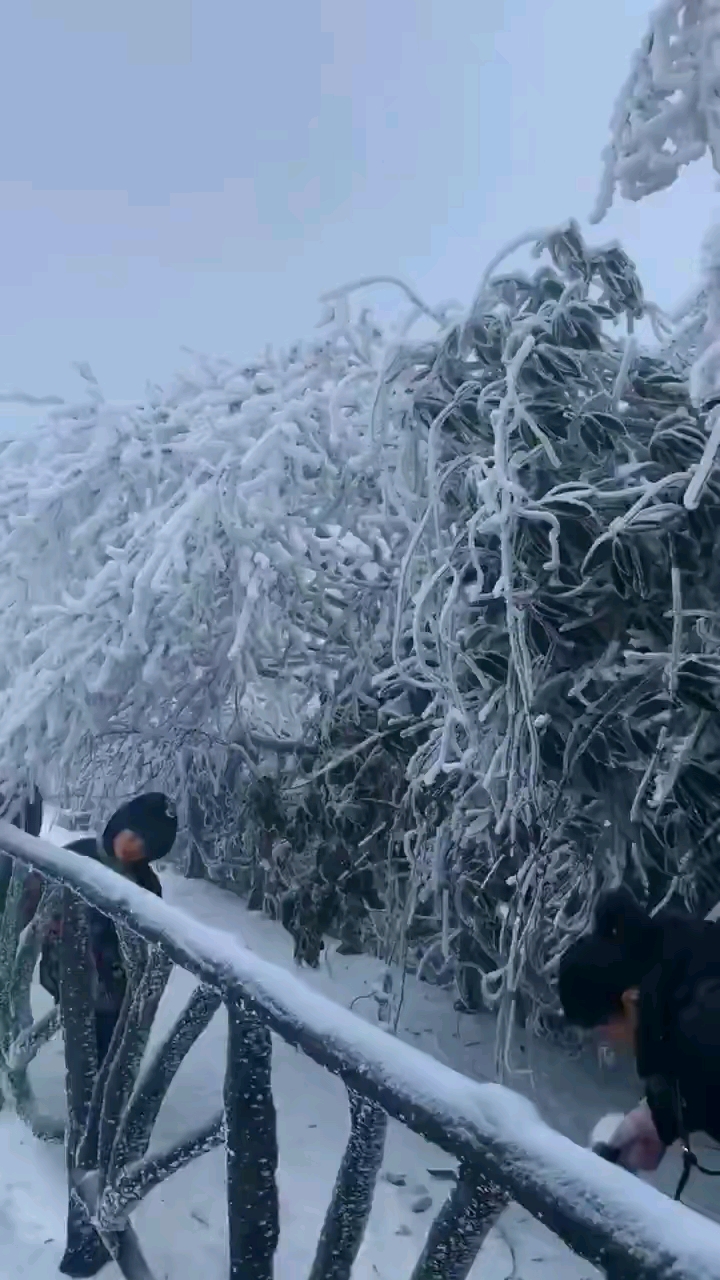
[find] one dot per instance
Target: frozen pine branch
(555, 571)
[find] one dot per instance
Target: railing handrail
(599, 1210)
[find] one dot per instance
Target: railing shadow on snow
(504, 1151)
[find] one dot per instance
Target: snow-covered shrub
(559, 612)
(544, 722)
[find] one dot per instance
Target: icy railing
(504, 1150)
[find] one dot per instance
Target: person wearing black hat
(652, 983)
(138, 833)
(141, 832)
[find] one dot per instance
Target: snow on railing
(504, 1149)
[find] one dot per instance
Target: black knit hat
(594, 974)
(152, 817)
(598, 968)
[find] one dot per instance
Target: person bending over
(652, 984)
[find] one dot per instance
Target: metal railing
(505, 1151)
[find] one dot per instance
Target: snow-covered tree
(372, 612)
(184, 579)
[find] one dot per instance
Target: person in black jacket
(139, 833)
(652, 983)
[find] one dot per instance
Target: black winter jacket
(678, 1037)
(673, 961)
(109, 980)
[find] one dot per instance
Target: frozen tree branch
(666, 115)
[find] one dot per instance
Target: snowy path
(182, 1224)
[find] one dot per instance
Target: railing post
(347, 1216)
(85, 1252)
(142, 1111)
(6, 869)
(9, 936)
(252, 1153)
(467, 1217)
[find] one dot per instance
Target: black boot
(85, 1254)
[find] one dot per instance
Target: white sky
(197, 171)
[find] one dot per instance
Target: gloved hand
(634, 1143)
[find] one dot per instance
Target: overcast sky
(197, 171)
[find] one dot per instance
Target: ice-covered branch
(666, 115)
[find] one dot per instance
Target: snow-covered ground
(182, 1223)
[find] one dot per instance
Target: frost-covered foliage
(668, 115)
(423, 635)
(552, 680)
(668, 111)
(182, 579)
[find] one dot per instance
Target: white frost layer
(547, 1170)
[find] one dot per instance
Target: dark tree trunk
(258, 882)
(255, 900)
(6, 868)
(195, 868)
